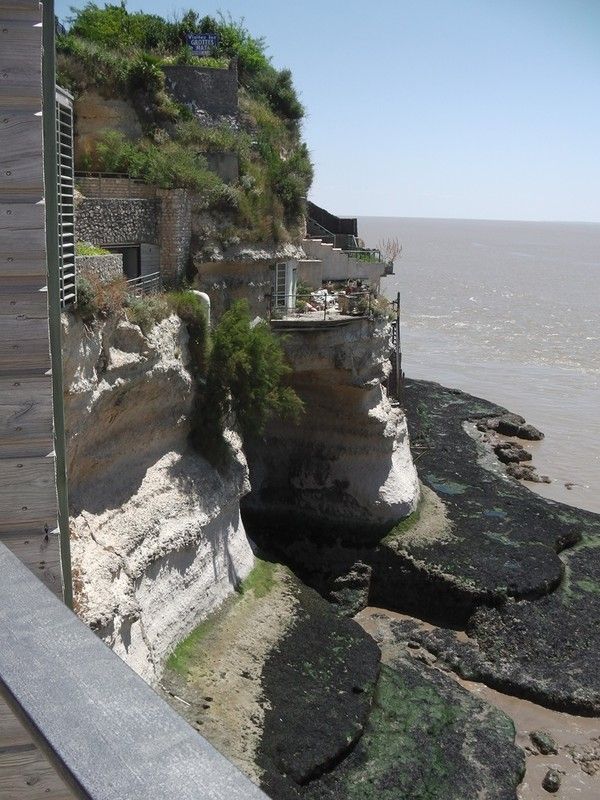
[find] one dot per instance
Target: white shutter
(66, 211)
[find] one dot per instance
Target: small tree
(245, 376)
(391, 249)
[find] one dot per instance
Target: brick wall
(99, 186)
(174, 232)
(201, 88)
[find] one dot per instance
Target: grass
(87, 249)
(184, 652)
(260, 581)
(258, 584)
(121, 54)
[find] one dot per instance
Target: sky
(479, 109)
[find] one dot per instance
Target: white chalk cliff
(348, 460)
(157, 539)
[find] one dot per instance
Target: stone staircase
(340, 265)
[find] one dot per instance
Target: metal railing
(320, 305)
(371, 255)
(104, 730)
(144, 284)
(347, 243)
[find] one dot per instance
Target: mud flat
(574, 741)
(297, 697)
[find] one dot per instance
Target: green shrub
(97, 298)
(88, 249)
(146, 311)
(121, 54)
(166, 164)
(245, 376)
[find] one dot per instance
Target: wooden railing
(102, 728)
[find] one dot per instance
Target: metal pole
(52, 254)
(398, 350)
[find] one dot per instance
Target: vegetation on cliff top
(121, 55)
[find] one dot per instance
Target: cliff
(157, 539)
(348, 461)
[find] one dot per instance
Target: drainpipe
(52, 256)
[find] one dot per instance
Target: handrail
(365, 254)
(144, 284)
(104, 730)
(320, 303)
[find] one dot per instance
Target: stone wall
(112, 187)
(204, 89)
(117, 221)
(226, 165)
(174, 232)
(107, 268)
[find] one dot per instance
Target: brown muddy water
(509, 311)
(577, 738)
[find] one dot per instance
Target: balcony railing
(320, 305)
(107, 733)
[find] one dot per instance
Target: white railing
(144, 284)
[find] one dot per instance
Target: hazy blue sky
(440, 108)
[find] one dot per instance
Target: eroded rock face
(347, 462)
(157, 539)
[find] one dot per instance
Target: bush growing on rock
(121, 54)
(246, 377)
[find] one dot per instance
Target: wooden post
(28, 496)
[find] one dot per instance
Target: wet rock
(511, 425)
(510, 452)
(351, 591)
(318, 684)
(551, 782)
(526, 472)
(544, 742)
(530, 433)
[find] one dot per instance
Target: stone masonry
(201, 88)
(117, 221)
(174, 232)
(106, 268)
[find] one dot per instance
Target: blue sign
(202, 44)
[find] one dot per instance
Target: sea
(508, 311)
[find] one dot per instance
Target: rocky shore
(328, 710)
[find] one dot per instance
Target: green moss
(406, 524)
(87, 249)
(189, 651)
(260, 581)
(406, 717)
(185, 652)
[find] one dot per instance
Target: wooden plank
(25, 416)
(27, 492)
(26, 775)
(40, 555)
(20, 146)
(12, 731)
(30, 302)
(22, 236)
(20, 57)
